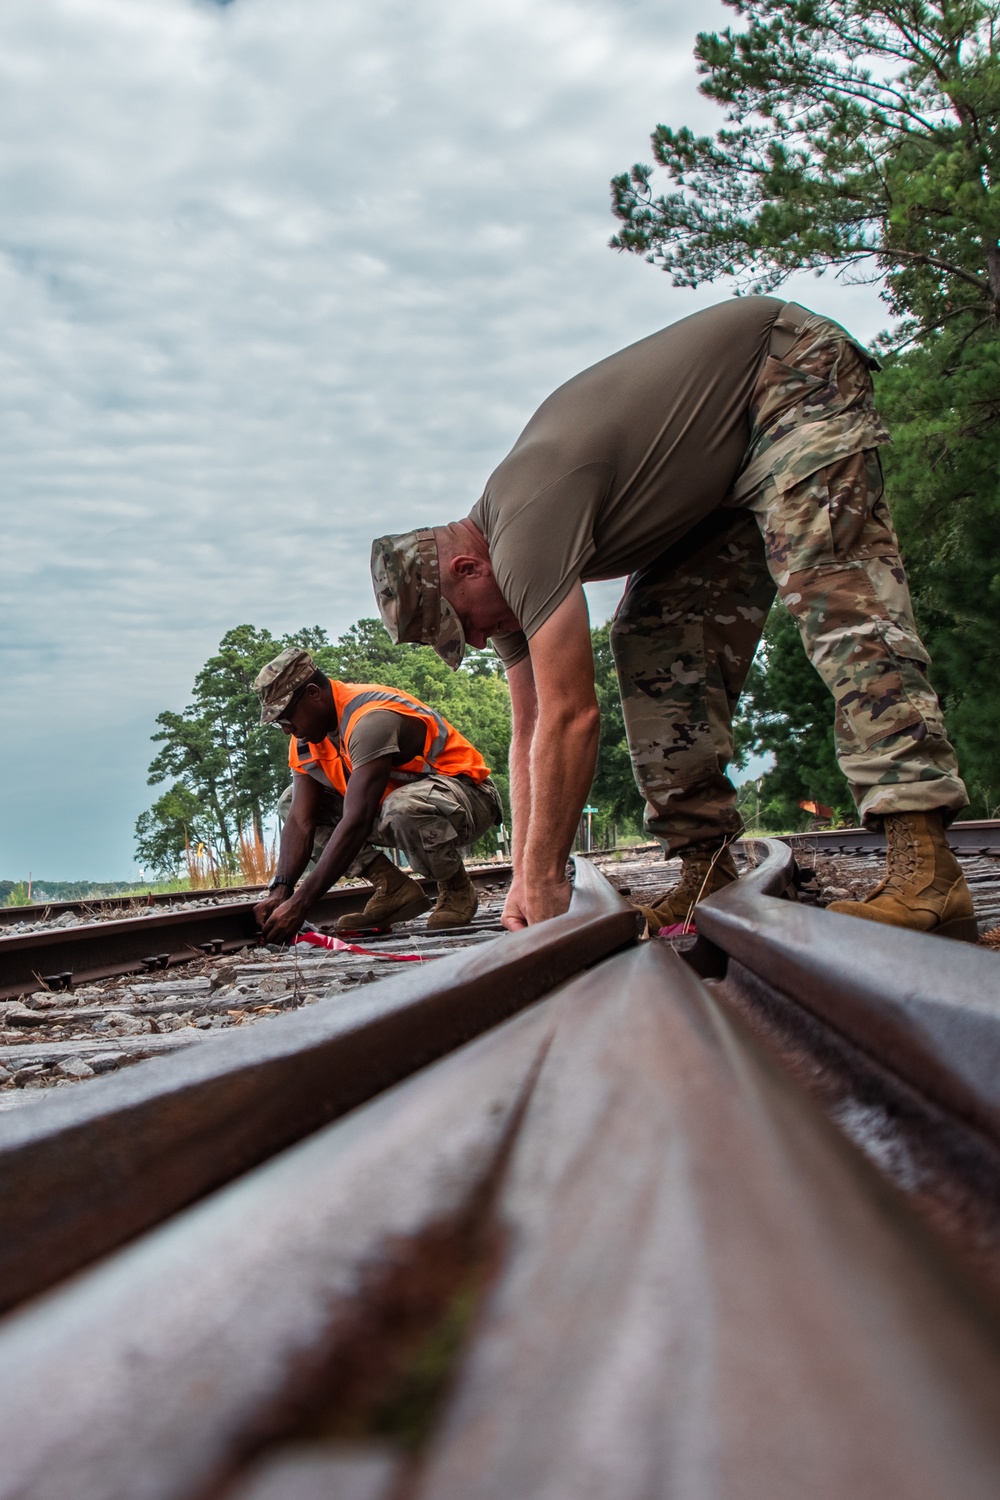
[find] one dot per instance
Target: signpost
(589, 811)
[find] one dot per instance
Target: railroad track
(560, 1214)
(59, 958)
(973, 837)
(98, 908)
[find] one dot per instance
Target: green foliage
(614, 789)
(19, 893)
(229, 771)
(859, 131)
(475, 698)
(942, 400)
(175, 822)
(787, 710)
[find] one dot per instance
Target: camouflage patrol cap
(278, 682)
(406, 573)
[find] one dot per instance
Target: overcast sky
(275, 276)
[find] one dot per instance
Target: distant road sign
(591, 809)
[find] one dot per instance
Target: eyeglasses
(285, 722)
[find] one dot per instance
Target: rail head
(593, 894)
(925, 1007)
(770, 870)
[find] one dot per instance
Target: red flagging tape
(676, 929)
(320, 940)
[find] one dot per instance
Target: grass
(255, 863)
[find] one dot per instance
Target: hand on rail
(528, 903)
(281, 923)
(267, 905)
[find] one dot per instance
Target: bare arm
(295, 846)
(361, 804)
(551, 779)
(524, 711)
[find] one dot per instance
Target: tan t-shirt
(383, 732)
(622, 460)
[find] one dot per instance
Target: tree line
(224, 771)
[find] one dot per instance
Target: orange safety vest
(445, 750)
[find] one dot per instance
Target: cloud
(275, 276)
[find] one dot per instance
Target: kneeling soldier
(371, 765)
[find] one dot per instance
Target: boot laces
(903, 853)
(696, 872)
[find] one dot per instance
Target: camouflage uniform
(806, 515)
(433, 819)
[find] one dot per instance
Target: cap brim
(450, 642)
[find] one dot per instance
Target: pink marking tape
(676, 929)
(337, 945)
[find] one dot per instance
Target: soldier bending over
(727, 456)
(370, 765)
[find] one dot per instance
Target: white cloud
(275, 276)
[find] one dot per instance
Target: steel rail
(44, 911)
(925, 1008)
(61, 957)
(87, 906)
(96, 1165)
(977, 836)
(687, 1282)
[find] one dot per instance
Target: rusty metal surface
(101, 950)
(706, 1292)
(925, 1008)
(155, 1373)
(949, 1173)
(96, 1166)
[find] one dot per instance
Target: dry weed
(203, 869)
(257, 860)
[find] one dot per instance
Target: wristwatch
(282, 880)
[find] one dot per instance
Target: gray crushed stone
(60, 1040)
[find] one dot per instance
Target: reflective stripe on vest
(445, 750)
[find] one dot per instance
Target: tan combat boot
(456, 904)
(396, 898)
(703, 872)
(924, 888)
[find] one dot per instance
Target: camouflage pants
(432, 820)
(685, 633)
